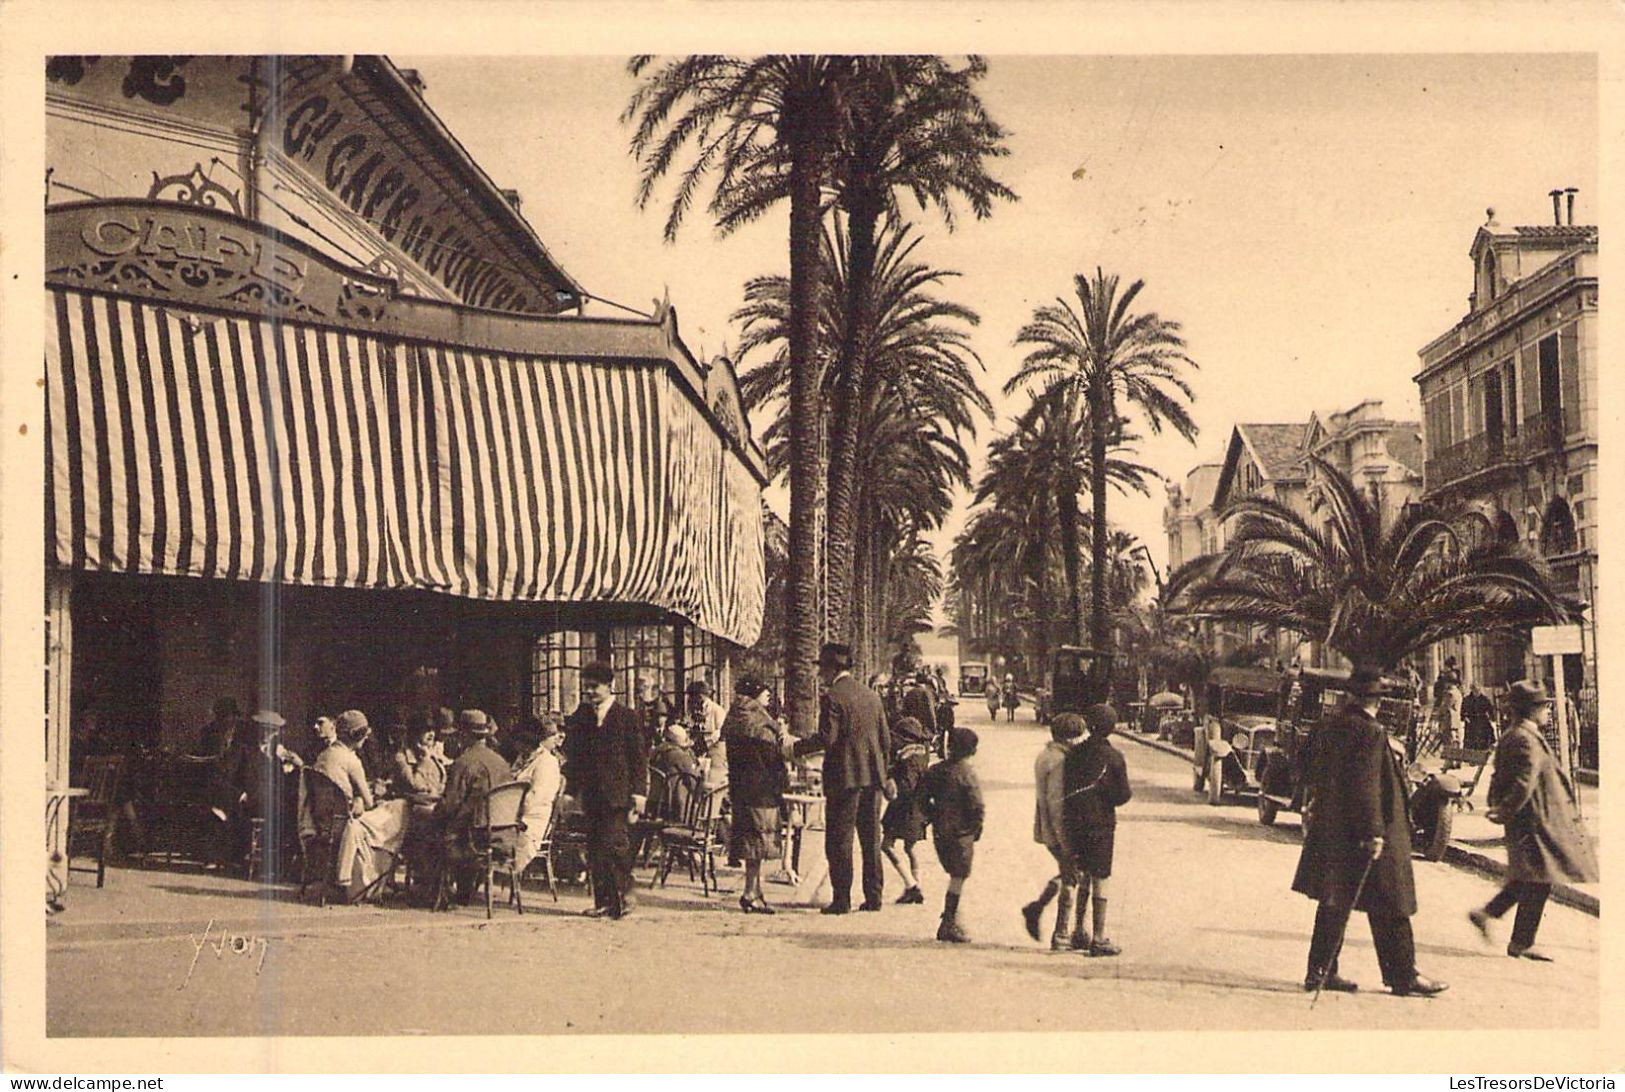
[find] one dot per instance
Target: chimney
(513, 198)
(1570, 192)
(1557, 211)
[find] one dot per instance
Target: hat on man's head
(1528, 695)
(962, 742)
(351, 723)
(835, 655)
(598, 672)
(474, 721)
(699, 688)
(267, 718)
(749, 685)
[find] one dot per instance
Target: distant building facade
(1509, 405)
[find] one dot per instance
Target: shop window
(636, 650)
(555, 670)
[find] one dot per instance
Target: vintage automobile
(972, 678)
(1079, 677)
(1177, 726)
(1311, 695)
(1238, 725)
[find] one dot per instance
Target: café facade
(327, 427)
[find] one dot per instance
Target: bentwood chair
(656, 814)
(93, 817)
(323, 811)
(544, 848)
(494, 835)
(696, 840)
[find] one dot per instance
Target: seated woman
(420, 768)
(342, 763)
(538, 767)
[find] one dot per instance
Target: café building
(327, 426)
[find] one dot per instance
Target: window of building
(1551, 383)
(636, 650)
(1509, 385)
(555, 669)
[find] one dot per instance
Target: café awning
(276, 444)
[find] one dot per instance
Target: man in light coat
(856, 742)
(1531, 794)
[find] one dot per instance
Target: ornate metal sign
(192, 254)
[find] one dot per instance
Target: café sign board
(194, 255)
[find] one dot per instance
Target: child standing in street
(1049, 831)
(952, 799)
(1095, 778)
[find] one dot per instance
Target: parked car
(1238, 725)
(972, 678)
(1078, 678)
(1178, 726)
(1311, 695)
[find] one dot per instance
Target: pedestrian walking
(607, 769)
(904, 820)
(756, 791)
(856, 743)
(1534, 798)
(1049, 831)
(1477, 720)
(1357, 846)
(1011, 698)
(1094, 776)
(994, 697)
(952, 799)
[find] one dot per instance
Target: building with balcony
(1509, 407)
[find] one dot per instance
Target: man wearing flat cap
(476, 772)
(607, 769)
(1534, 798)
(1357, 828)
(856, 741)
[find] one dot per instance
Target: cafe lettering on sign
(323, 131)
(185, 254)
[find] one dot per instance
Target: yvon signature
(224, 943)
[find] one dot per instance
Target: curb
(1455, 854)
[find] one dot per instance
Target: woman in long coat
(1530, 793)
(756, 787)
(1357, 813)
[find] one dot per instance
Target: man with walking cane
(1357, 847)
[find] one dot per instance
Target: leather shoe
(1334, 983)
(913, 896)
(1030, 917)
(1481, 922)
(1420, 987)
(836, 908)
(1529, 953)
(870, 907)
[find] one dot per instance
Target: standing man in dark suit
(856, 742)
(607, 767)
(1357, 818)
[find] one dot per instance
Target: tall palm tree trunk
(1067, 511)
(1099, 631)
(852, 364)
(801, 621)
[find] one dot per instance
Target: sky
(1306, 219)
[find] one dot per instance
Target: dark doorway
(1551, 389)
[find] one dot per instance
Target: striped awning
(228, 447)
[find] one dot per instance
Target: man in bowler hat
(607, 767)
(856, 742)
(1357, 826)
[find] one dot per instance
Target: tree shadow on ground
(1171, 973)
(1451, 950)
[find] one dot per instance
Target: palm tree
(765, 127)
(919, 396)
(1043, 464)
(1116, 361)
(912, 123)
(1375, 594)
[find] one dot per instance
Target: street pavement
(1212, 939)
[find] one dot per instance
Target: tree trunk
(851, 369)
(1099, 630)
(801, 621)
(860, 613)
(1067, 509)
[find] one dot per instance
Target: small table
(56, 869)
(802, 817)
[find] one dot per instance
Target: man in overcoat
(856, 742)
(1531, 794)
(1357, 823)
(607, 767)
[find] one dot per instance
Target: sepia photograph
(600, 544)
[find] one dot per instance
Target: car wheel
(1267, 809)
(1439, 837)
(1215, 781)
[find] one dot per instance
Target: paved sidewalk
(1475, 842)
